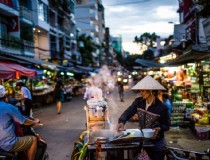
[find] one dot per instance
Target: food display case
(97, 114)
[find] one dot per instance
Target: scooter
(41, 146)
(22, 130)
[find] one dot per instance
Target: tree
(89, 47)
(146, 39)
(129, 61)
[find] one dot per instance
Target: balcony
(26, 13)
(8, 8)
(16, 44)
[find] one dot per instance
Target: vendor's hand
(157, 129)
(120, 127)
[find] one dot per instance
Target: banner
(206, 27)
(7, 2)
(13, 24)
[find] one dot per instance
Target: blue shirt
(8, 114)
(168, 104)
(26, 93)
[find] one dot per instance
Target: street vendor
(26, 98)
(152, 113)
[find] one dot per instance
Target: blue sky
(134, 19)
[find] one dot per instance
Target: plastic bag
(143, 155)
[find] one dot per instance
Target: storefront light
(125, 80)
(119, 79)
(62, 73)
(119, 73)
(48, 72)
(70, 74)
(129, 76)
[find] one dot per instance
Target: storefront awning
(20, 70)
(148, 63)
(6, 73)
(189, 57)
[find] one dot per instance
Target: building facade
(39, 28)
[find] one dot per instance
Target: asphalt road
(61, 131)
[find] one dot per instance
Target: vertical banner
(206, 28)
(13, 24)
(7, 2)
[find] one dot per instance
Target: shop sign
(7, 2)
(206, 27)
(179, 33)
(13, 24)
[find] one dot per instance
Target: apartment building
(43, 29)
(89, 15)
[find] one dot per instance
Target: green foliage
(87, 50)
(146, 38)
(148, 54)
(129, 61)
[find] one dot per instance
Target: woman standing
(59, 95)
(152, 114)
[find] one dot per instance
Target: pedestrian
(167, 102)
(121, 91)
(8, 139)
(59, 95)
(25, 98)
(152, 114)
(93, 91)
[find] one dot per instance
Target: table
(117, 151)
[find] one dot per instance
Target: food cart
(102, 143)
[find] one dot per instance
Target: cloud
(136, 19)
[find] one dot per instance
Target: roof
(148, 63)
(189, 57)
(20, 70)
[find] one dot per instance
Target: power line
(118, 4)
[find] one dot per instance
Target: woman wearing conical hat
(152, 113)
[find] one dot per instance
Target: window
(42, 11)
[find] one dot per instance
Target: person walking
(121, 91)
(152, 113)
(59, 95)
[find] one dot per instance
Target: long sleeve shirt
(157, 107)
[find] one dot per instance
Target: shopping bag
(143, 155)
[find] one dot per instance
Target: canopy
(148, 63)
(6, 73)
(190, 56)
(20, 70)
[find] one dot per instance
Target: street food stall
(101, 142)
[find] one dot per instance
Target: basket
(202, 133)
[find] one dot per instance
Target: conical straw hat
(148, 83)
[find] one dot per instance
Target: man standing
(8, 139)
(25, 97)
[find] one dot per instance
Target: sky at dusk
(135, 17)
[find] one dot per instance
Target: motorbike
(68, 93)
(173, 153)
(22, 130)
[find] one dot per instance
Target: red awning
(6, 73)
(20, 70)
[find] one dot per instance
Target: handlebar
(183, 154)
